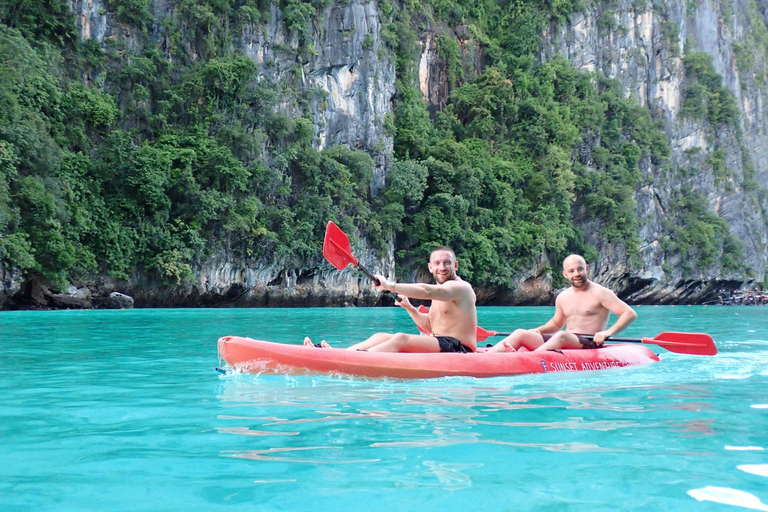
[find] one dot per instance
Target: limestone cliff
(641, 44)
(349, 69)
(645, 51)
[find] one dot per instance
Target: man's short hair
(442, 248)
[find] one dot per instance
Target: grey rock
(118, 300)
(11, 282)
(69, 301)
(350, 72)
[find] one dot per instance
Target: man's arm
(420, 319)
(556, 322)
(450, 290)
(618, 307)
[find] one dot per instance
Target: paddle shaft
(368, 273)
(694, 343)
(585, 337)
(375, 280)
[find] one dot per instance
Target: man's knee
(558, 337)
(516, 335)
(399, 340)
(562, 339)
(554, 342)
(519, 333)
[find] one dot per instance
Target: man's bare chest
(584, 308)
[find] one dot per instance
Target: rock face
(353, 75)
(643, 45)
(220, 282)
(118, 300)
(350, 71)
(10, 283)
(645, 53)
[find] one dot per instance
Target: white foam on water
(759, 406)
(755, 469)
(745, 448)
(728, 496)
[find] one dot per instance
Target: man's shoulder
(600, 289)
(458, 283)
(460, 286)
(603, 294)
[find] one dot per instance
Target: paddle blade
(483, 334)
(423, 309)
(336, 248)
(685, 343)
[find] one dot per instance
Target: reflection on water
(554, 447)
(444, 475)
(276, 455)
(244, 431)
(755, 469)
(364, 422)
(729, 497)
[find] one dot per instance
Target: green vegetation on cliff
(502, 160)
(154, 151)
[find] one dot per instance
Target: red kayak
(255, 356)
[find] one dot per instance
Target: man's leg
(379, 337)
(561, 339)
(527, 338)
(402, 342)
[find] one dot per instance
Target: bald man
(584, 308)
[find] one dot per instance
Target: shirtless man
(584, 308)
(452, 318)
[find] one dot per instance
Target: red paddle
(695, 343)
(338, 252)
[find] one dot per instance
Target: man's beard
(579, 283)
(440, 278)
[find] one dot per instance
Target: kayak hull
(256, 356)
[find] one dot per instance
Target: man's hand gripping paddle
(338, 252)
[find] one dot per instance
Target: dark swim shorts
(449, 344)
(587, 342)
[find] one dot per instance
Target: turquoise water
(122, 410)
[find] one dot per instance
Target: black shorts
(587, 342)
(449, 344)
